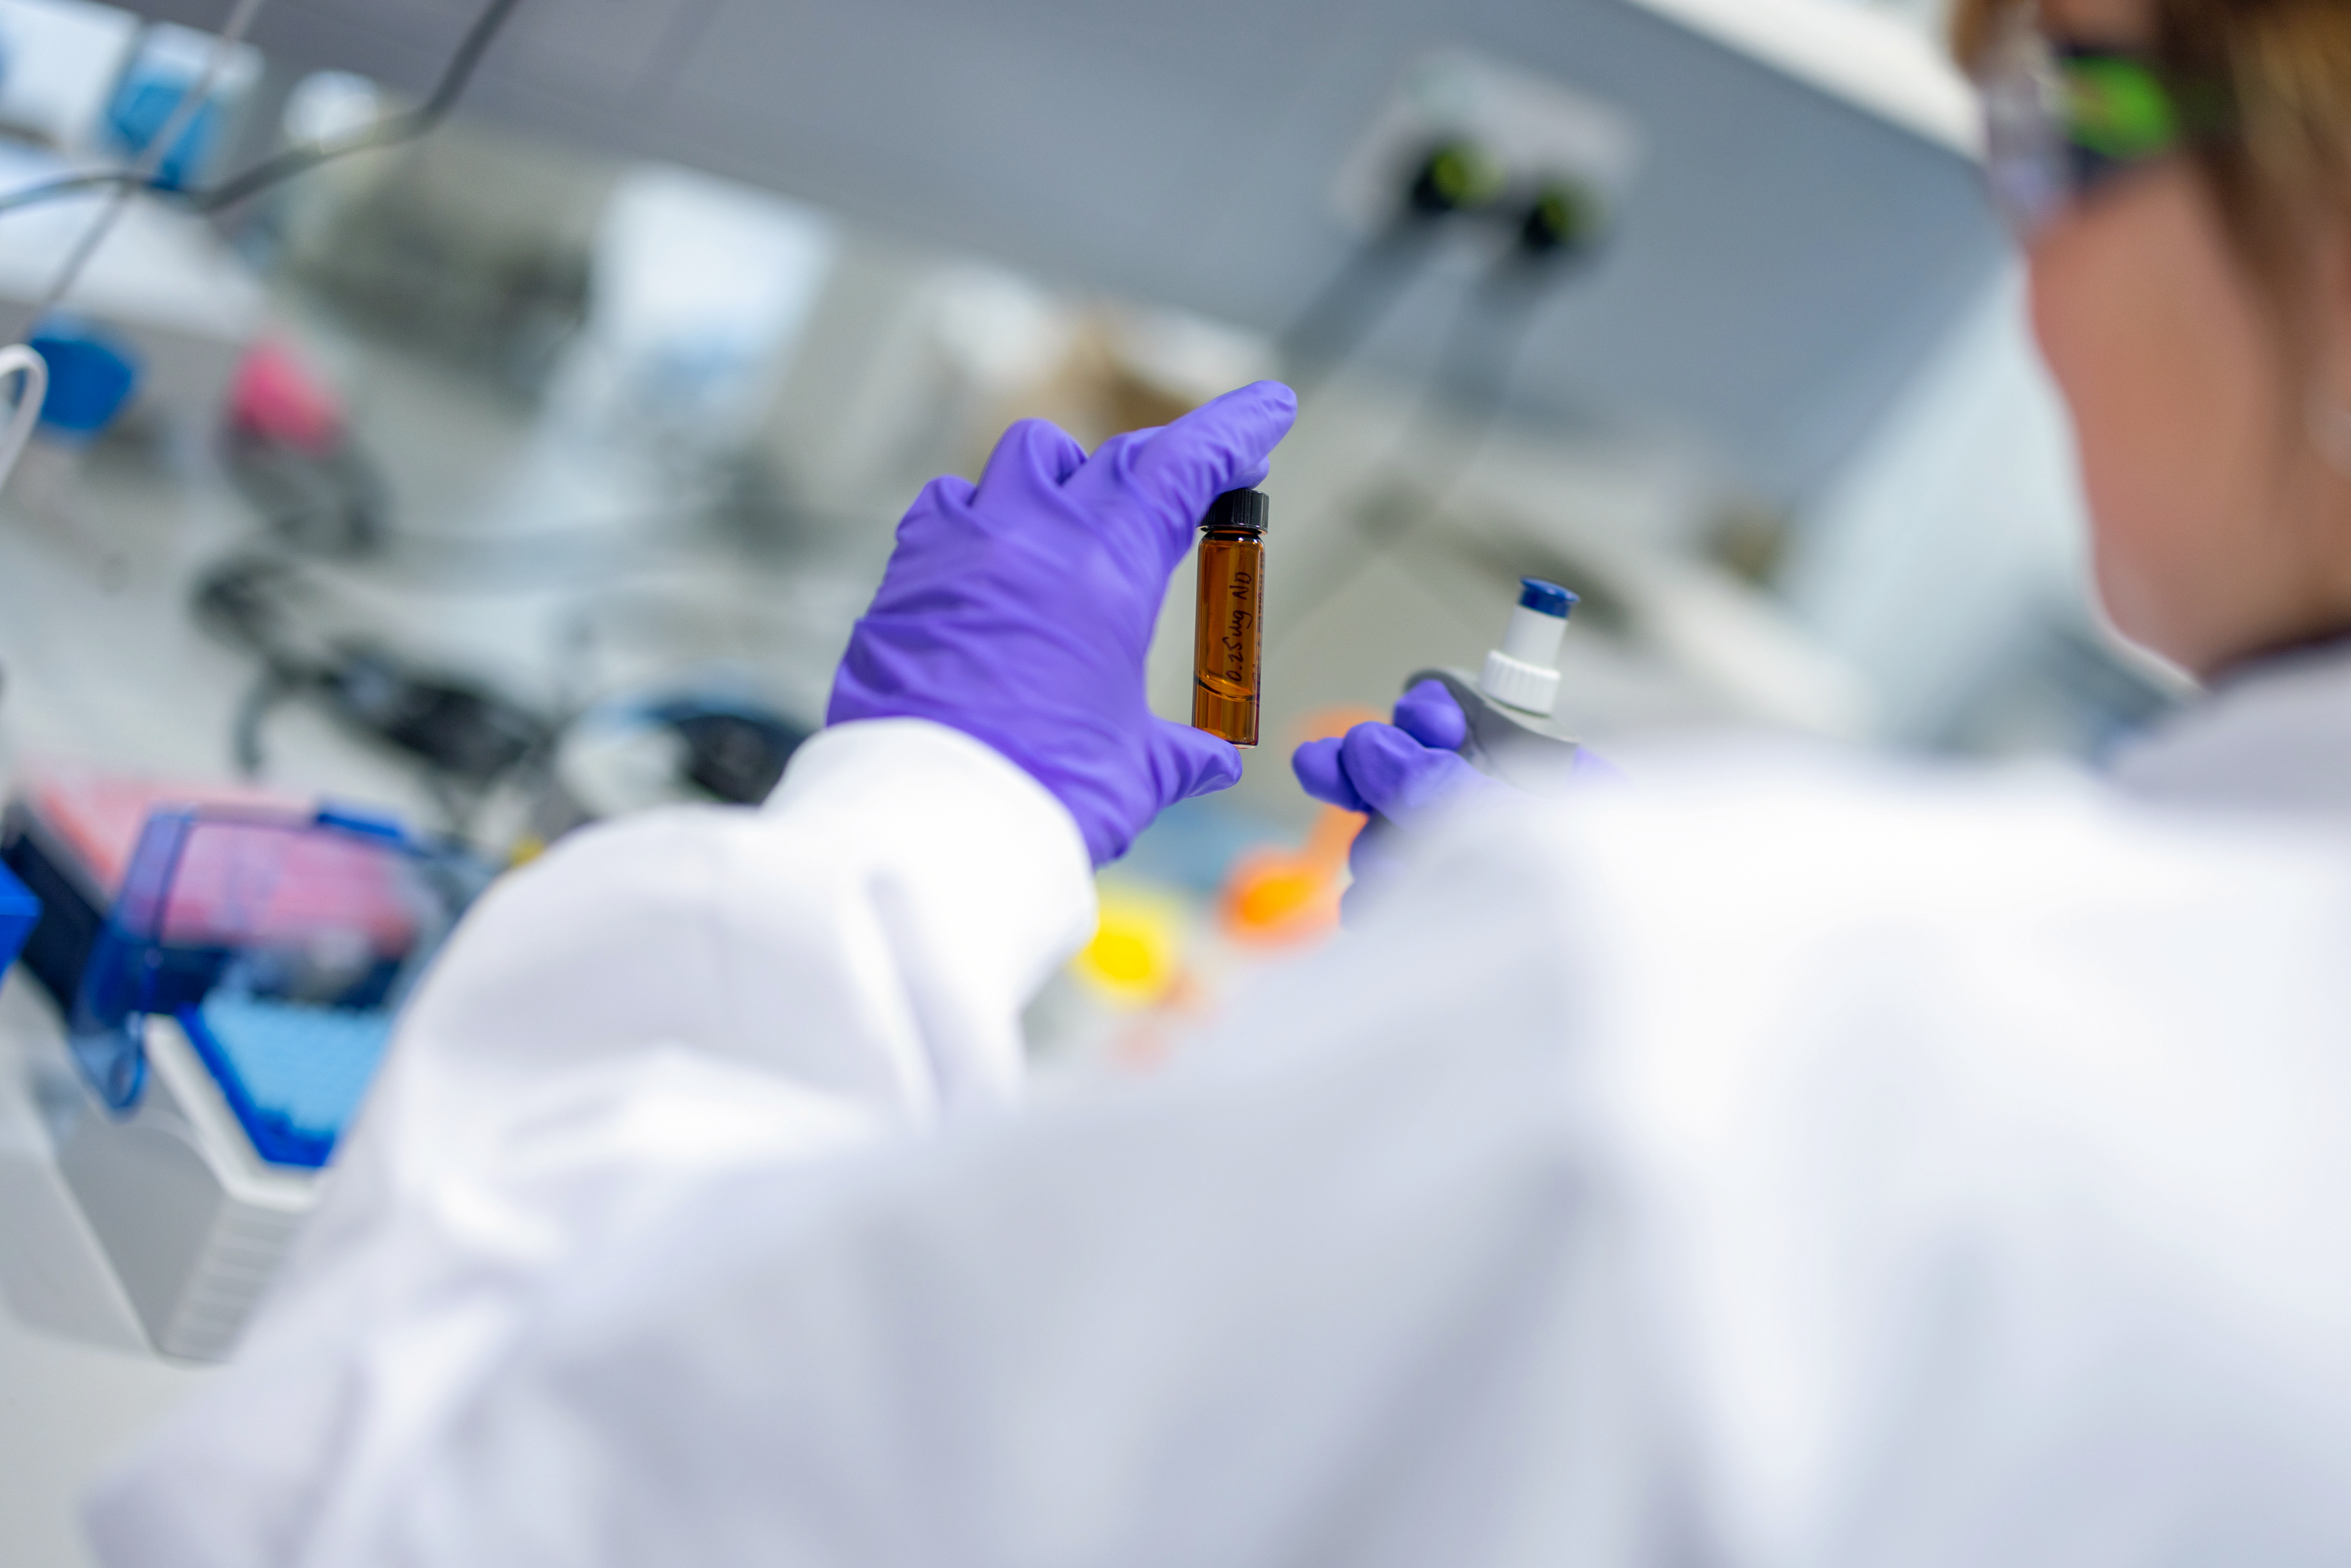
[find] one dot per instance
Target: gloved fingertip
(1035, 453)
(1429, 713)
(1259, 414)
(1222, 772)
(1320, 774)
(1278, 398)
(1221, 446)
(1194, 762)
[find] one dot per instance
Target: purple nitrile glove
(1399, 770)
(1397, 773)
(1400, 773)
(1019, 610)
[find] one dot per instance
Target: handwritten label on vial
(1227, 638)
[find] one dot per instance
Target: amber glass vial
(1230, 632)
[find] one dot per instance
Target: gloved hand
(1401, 770)
(1019, 611)
(1397, 773)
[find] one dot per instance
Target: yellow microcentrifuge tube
(1230, 632)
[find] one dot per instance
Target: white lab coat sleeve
(653, 1002)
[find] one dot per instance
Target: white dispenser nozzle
(1524, 673)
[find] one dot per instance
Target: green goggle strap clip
(2118, 110)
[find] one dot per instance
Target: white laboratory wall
(1929, 17)
(1885, 57)
(1956, 534)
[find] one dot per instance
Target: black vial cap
(1247, 509)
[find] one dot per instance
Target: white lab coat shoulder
(1978, 1134)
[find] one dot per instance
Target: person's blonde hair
(2281, 71)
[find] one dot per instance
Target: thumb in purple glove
(1019, 611)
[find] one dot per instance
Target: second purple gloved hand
(1019, 611)
(1396, 772)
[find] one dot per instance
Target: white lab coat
(1785, 1162)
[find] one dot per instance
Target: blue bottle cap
(1545, 598)
(91, 374)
